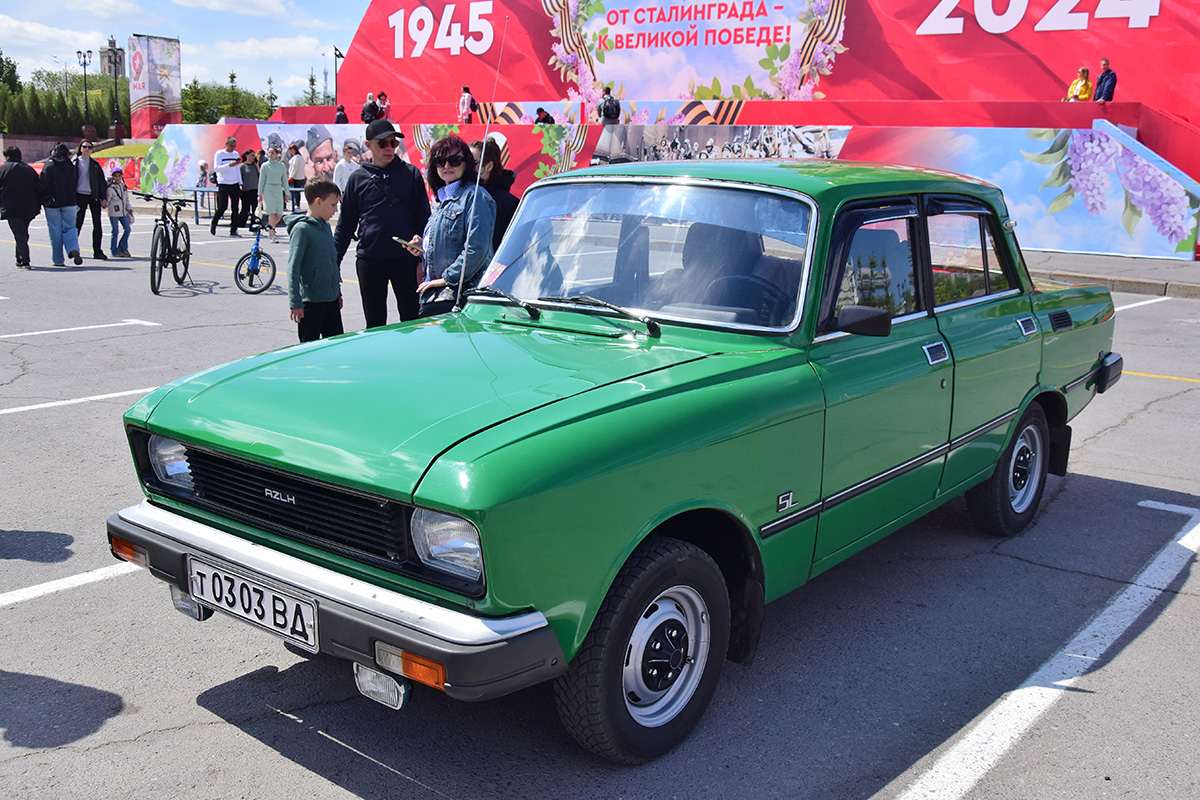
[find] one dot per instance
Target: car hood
(374, 409)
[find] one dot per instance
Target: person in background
(609, 108)
(319, 144)
(344, 168)
(314, 280)
(229, 176)
(120, 214)
(91, 192)
(1106, 83)
(249, 179)
(385, 203)
(56, 188)
(466, 106)
(499, 182)
(1081, 87)
(340, 117)
(543, 117)
(385, 106)
(202, 183)
(370, 109)
(272, 189)
(457, 244)
(296, 178)
(18, 200)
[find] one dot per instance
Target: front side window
(872, 263)
(698, 254)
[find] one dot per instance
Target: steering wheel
(750, 292)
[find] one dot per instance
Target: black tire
(253, 281)
(1006, 503)
(669, 596)
(158, 254)
(183, 253)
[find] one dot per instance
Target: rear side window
(963, 257)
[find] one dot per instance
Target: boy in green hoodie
(314, 281)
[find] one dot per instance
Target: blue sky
(257, 39)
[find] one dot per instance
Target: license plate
(293, 618)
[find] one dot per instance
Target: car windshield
(692, 253)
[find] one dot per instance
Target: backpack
(474, 105)
(610, 108)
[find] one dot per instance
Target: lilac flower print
(177, 173)
(1092, 156)
(1157, 195)
(642, 117)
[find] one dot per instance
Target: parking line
(83, 579)
(962, 766)
(121, 324)
(1142, 303)
(56, 403)
(1163, 377)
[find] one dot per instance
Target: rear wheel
(651, 661)
(255, 272)
(183, 253)
(1006, 503)
(158, 254)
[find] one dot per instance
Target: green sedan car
(679, 392)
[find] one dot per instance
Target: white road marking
(3, 298)
(57, 403)
(121, 324)
(104, 573)
(1142, 303)
(962, 766)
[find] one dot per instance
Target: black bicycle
(255, 271)
(171, 242)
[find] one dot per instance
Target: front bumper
(484, 657)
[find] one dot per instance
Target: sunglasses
(389, 143)
(86, 147)
(448, 161)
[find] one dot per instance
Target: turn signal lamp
(412, 666)
(130, 552)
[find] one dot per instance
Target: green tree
(233, 95)
(310, 97)
(8, 73)
(205, 103)
(270, 96)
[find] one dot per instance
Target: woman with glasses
(91, 192)
(457, 244)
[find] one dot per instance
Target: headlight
(169, 460)
(448, 543)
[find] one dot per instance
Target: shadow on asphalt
(860, 673)
(44, 547)
(28, 701)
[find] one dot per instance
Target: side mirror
(864, 320)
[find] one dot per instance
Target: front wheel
(158, 254)
(1005, 503)
(183, 253)
(650, 664)
(255, 272)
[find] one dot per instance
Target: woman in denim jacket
(457, 244)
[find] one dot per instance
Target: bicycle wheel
(255, 272)
(183, 253)
(158, 254)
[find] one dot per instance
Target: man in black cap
(385, 200)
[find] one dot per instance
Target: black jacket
(18, 190)
(96, 178)
(340, 118)
(56, 184)
(500, 188)
(375, 215)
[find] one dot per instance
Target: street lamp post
(85, 58)
(336, 55)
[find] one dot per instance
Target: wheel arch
(733, 548)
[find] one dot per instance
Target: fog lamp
(381, 687)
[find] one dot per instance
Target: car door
(989, 327)
(887, 397)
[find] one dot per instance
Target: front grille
(362, 526)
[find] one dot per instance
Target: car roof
(823, 180)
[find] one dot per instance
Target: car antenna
(462, 274)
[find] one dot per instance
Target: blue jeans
(61, 224)
(117, 224)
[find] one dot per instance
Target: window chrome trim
(971, 301)
(664, 180)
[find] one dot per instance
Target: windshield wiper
(652, 327)
(490, 291)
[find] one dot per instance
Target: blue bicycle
(255, 271)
